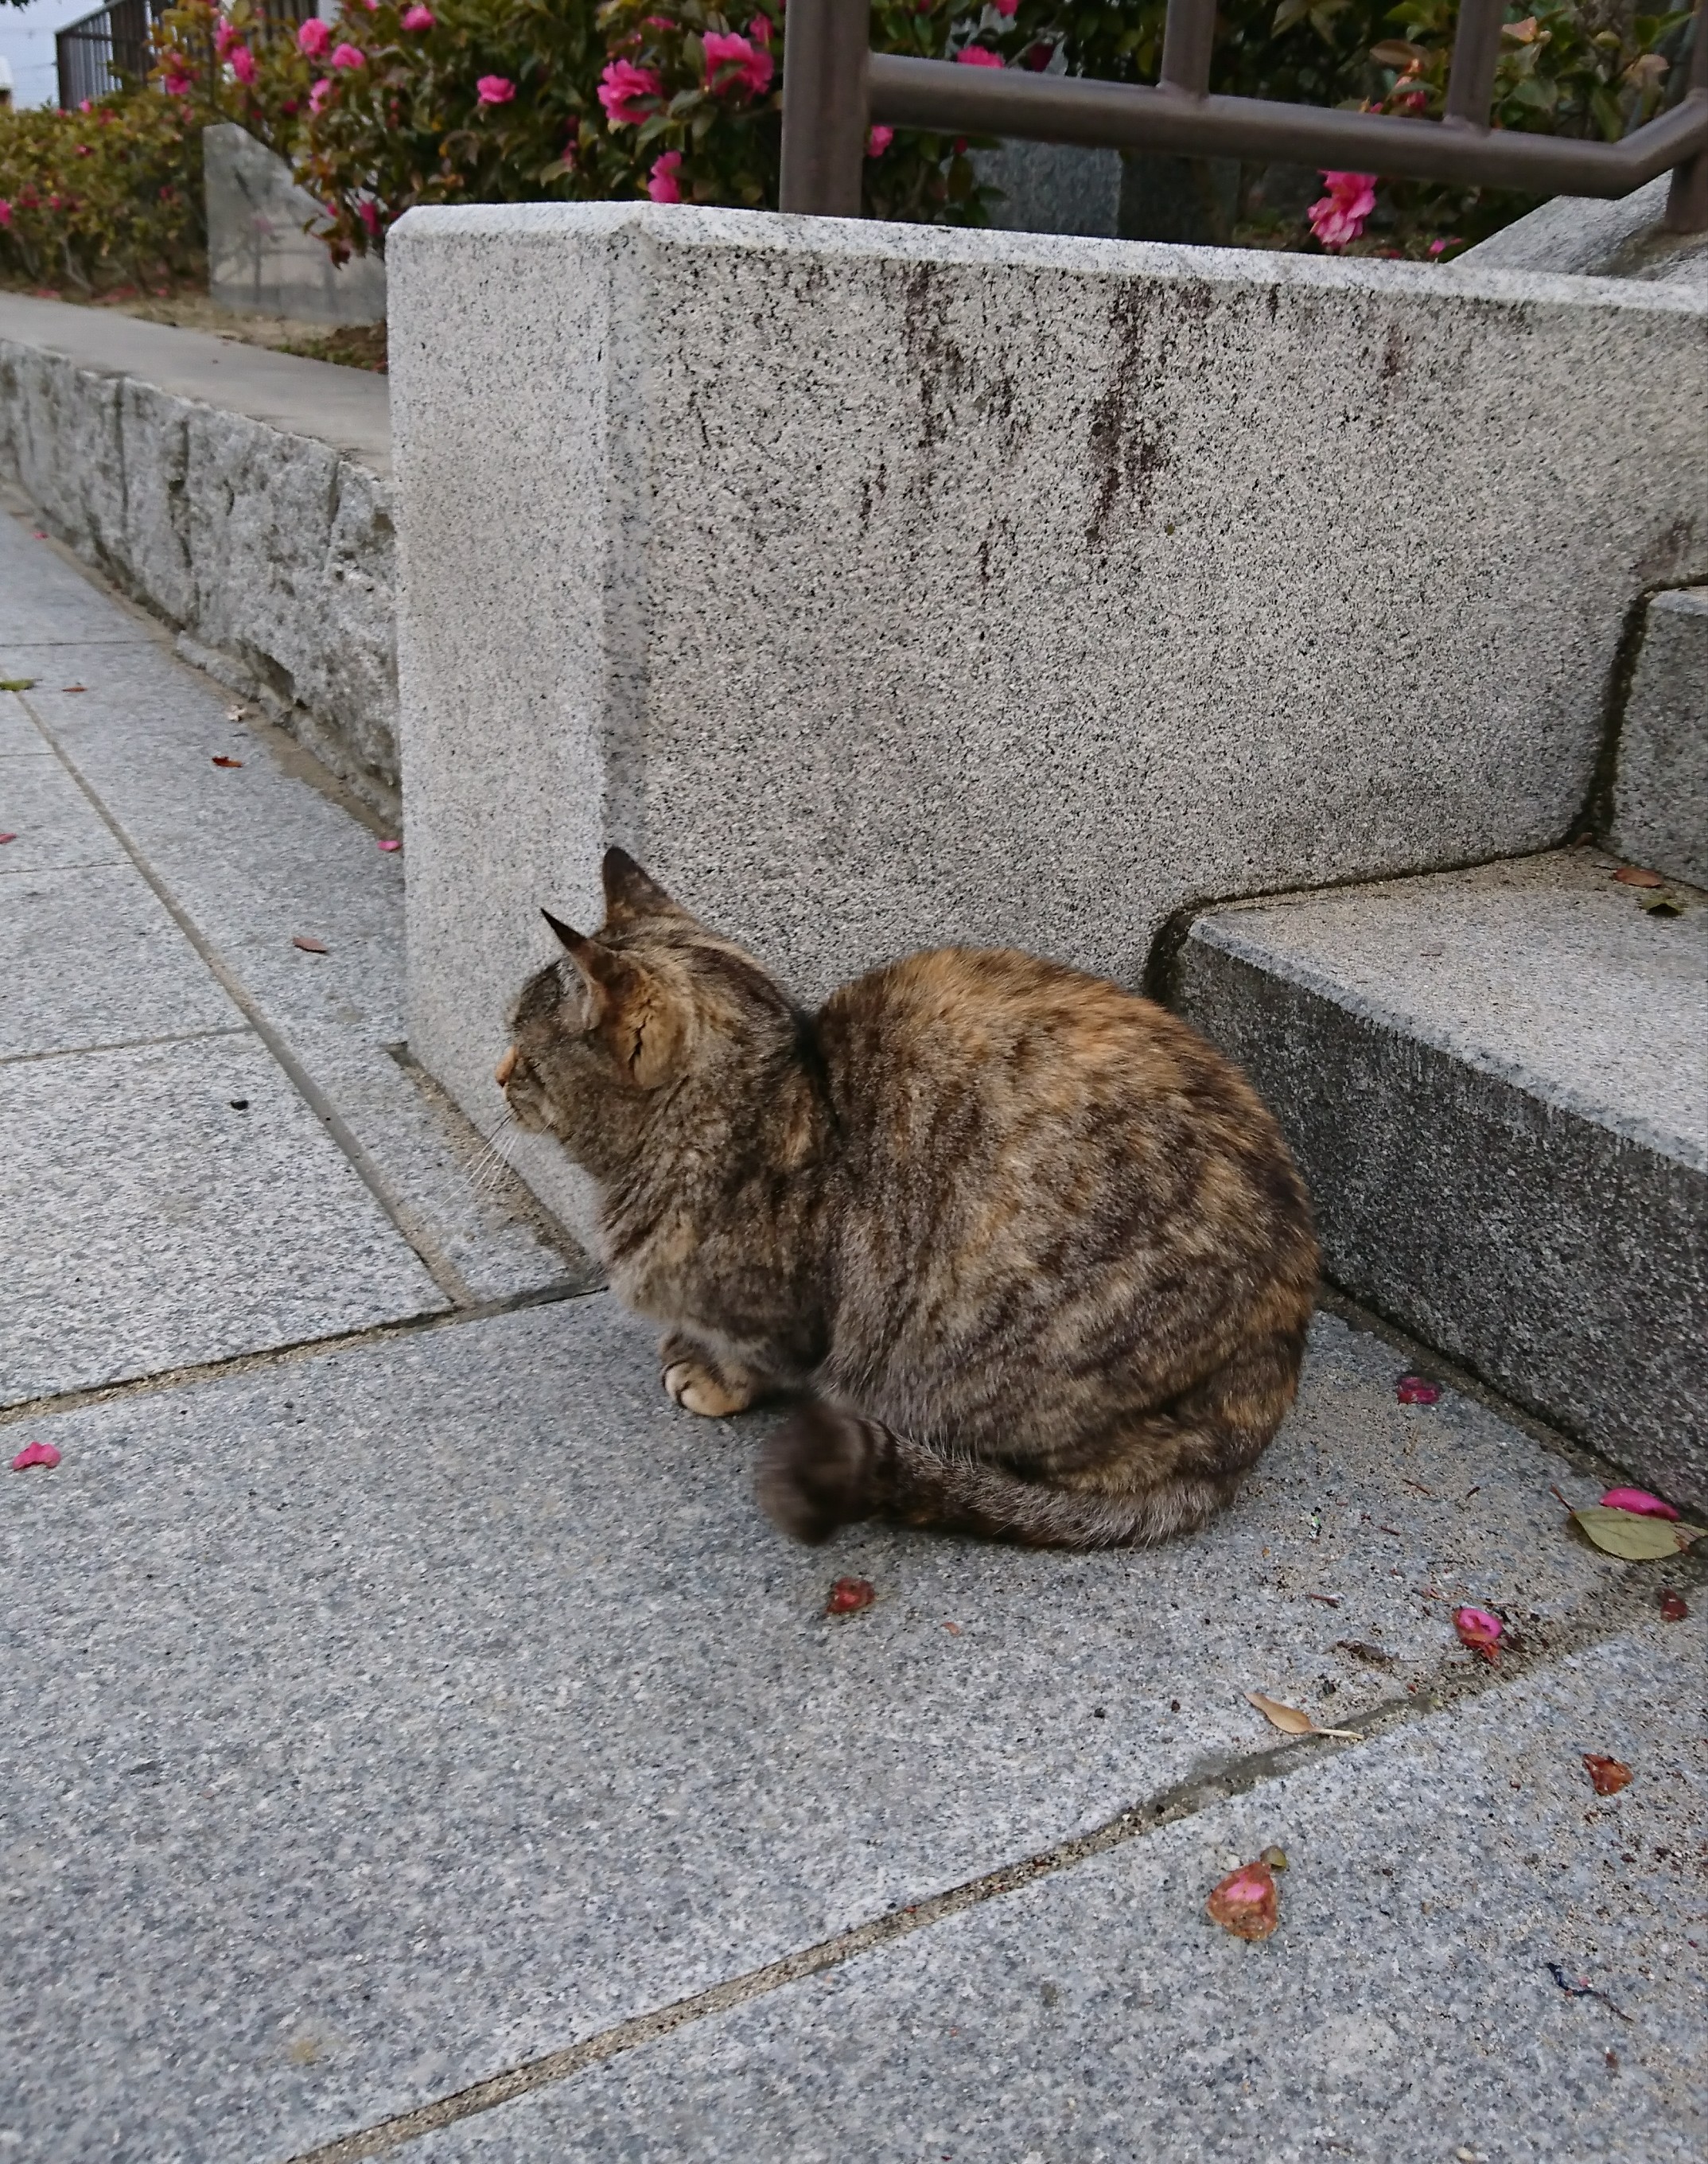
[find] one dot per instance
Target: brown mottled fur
(1034, 1252)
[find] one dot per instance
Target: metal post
(825, 50)
(1476, 47)
(1687, 199)
(1188, 35)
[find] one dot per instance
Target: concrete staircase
(1496, 1082)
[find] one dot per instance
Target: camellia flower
(418, 18)
(319, 93)
(1480, 1630)
(225, 38)
(1338, 217)
(978, 56)
(735, 64)
(243, 64)
(879, 141)
(496, 89)
(622, 85)
(370, 216)
(313, 37)
(176, 84)
(664, 183)
(348, 56)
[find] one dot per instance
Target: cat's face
(625, 1022)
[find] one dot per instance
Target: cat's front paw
(821, 1469)
(698, 1387)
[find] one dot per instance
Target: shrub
(110, 194)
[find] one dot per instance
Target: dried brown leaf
(1634, 875)
(1607, 1776)
(220, 759)
(1291, 1722)
(310, 946)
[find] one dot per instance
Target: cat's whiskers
(492, 1165)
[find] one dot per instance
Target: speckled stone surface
(237, 493)
(1660, 779)
(1496, 1084)
(1404, 2013)
(881, 586)
(439, 1702)
(146, 1223)
(53, 825)
(253, 855)
(92, 958)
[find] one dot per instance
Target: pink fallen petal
(1480, 1630)
(35, 1453)
(1413, 1390)
(1638, 1501)
(385, 844)
(8, 837)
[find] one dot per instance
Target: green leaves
(1633, 1538)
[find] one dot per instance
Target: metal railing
(835, 87)
(97, 51)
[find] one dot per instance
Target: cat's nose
(505, 1067)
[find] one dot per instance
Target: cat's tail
(1169, 1472)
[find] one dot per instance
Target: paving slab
(251, 856)
(439, 1702)
(91, 956)
(168, 1205)
(1495, 1084)
(19, 737)
(52, 823)
(46, 604)
(1407, 2008)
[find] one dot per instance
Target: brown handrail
(836, 88)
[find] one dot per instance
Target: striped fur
(1033, 1252)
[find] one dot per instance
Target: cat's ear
(628, 1010)
(630, 892)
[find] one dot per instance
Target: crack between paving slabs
(445, 1275)
(121, 1043)
(301, 1348)
(1217, 1781)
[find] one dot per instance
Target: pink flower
(1480, 1630)
(1338, 217)
(225, 38)
(314, 38)
(621, 86)
(348, 56)
(978, 56)
(1413, 1390)
(320, 92)
(759, 29)
(1006, 7)
(1441, 247)
(418, 18)
(35, 1453)
(5, 220)
(879, 141)
(664, 183)
(496, 89)
(1638, 1501)
(175, 85)
(370, 216)
(243, 64)
(87, 105)
(735, 64)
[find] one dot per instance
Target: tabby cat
(1033, 1254)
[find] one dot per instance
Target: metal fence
(98, 52)
(835, 87)
(95, 52)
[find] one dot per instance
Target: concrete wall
(882, 586)
(262, 258)
(1659, 808)
(265, 536)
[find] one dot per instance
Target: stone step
(1658, 810)
(1496, 1083)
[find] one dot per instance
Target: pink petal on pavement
(385, 844)
(35, 1453)
(1479, 1629)
(1413, 1390)
(1638, 1501)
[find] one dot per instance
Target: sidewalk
(411, 1736)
